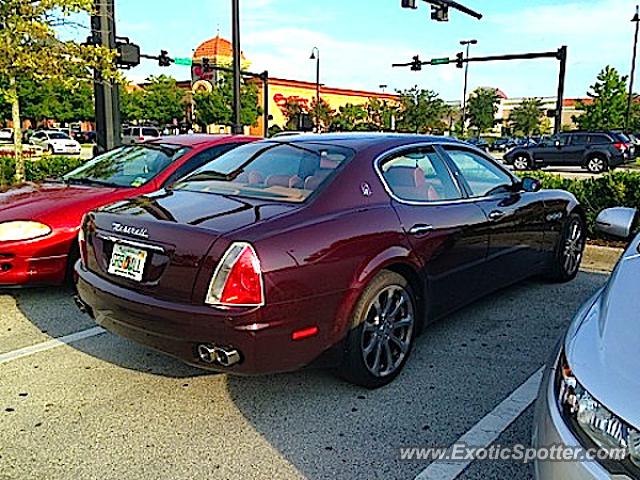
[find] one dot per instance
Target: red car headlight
(237, 280)
(22, 230)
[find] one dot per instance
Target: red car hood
(47, 201)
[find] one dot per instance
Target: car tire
(383, 329)
(597, 164)
(569, 250)
(522, 162)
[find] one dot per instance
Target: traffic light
(416, 65)
(409, 4)
(460, 59)
(164, 60)
(440, 13)
(128, 55)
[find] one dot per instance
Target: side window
(580, 140)
(563, 139)
(198, 161)
(126, 131)
(419, 175)
(481, 175)
(150, 132)
(599, 140)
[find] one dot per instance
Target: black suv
(595, 151)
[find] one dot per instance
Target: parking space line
(48, 345)
(488, 429)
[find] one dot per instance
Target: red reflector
(304, 333)
(244, 282)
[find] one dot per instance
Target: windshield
(130, 166)
(59, 136)
(287, 172)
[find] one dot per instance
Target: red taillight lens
(237, 281)
(82, 245)
(621, 146)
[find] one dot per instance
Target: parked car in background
(6, 135)
(39, 223)
(333, 249)
(86, 136)
(595, 151)
(55, 142)
(137, 134)
(502, 144)
(587, 396)
(480, 143)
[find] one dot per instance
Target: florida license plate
(127, 262)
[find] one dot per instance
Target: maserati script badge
(129, 230)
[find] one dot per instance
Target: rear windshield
(288, 172)
(130, 166)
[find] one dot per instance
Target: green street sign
(440, 61)
(183, 61)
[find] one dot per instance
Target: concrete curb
(600, 259)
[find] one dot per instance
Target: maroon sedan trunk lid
(175, 234)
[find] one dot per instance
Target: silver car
(591, 387)
(134, 134)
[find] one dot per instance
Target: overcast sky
(360, 39)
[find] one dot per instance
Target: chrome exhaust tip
(226, 357)
(206, 354)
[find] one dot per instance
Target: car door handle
(496, 215)
(421, 229)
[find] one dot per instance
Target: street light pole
(235, 24)
(315, 55)
(636, 19)
(468, 44)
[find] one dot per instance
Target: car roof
(362, 140)
(197, 140)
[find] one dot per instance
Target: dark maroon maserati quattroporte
(332, 250)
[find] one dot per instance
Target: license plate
(127, 262)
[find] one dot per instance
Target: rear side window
(580, 140)
(599, 140)
(419, 175)
(288, 172)
(150, 132)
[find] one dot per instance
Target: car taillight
(237, 281)
(82, 246)
(621, 146)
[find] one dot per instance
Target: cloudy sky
(360, 39)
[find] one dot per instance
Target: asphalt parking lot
(102, 407)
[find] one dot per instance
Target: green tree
(324, 113)
(164, 101)
(293, 110)
(216, 107)
(608, 105)
(381, 114)
(349, 117)
(132, 107)
(526, 118)
(421, 111)
(482, 108)
(30, 49)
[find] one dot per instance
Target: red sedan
(39, 223)
(324, 249)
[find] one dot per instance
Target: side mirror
(617, 222)
(531, 184)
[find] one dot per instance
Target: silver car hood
(603, 343)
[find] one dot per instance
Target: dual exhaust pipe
(227, 357)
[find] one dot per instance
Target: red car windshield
(130, 166)
(288, 172)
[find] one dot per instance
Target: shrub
(38, 170)
(616, 189)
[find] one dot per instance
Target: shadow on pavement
(461, 368)
(53, 312)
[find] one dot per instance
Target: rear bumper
(262, 336)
